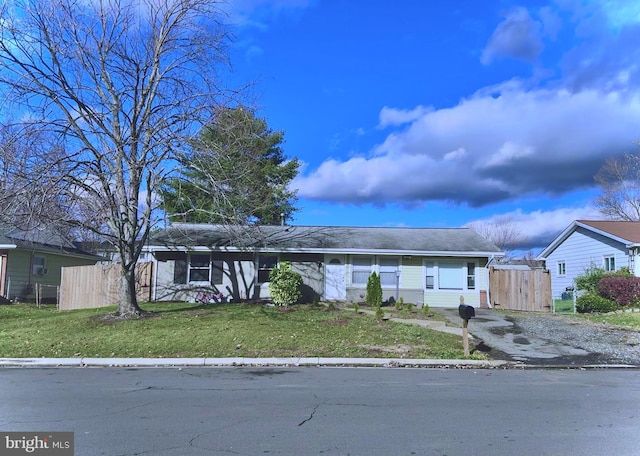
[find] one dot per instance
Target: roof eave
(455, 253)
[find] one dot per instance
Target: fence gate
(88, 287)
(518, 289)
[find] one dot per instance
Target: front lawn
(629, 320)
(230, 330)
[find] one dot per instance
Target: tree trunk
(128, 305)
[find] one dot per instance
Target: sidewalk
(430, 324)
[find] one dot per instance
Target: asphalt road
(328, 411)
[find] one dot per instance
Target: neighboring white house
(436, 266)
(610, 245)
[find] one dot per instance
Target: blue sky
(438, 114)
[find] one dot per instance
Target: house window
(389, 268)
(39, 267)
(361, 270)
(265, 264)
(471, 276)
(450, 276)
(562, 268)
(198, 268)
(609, 263)
(430, 283)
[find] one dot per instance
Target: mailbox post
(466, 312)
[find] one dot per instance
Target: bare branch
(121, 85)
(619, 181)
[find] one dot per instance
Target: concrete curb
(253, 362)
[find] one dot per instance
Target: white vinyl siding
(580, 251)
(411, 273)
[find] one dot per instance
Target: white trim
(464, 275)
(564, 266)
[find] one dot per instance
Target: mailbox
(466, 311)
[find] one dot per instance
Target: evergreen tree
(236, 173)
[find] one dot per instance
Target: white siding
(580, 251)
(411, 276)
(166, 290)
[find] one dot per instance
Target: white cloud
(518, 36)
(459, 154)
(259, 13)
(539, 228)
(395, 117)
(491, 147)
(508, 153)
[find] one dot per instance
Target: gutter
(440, 253)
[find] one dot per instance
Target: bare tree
(24, 206)
(503, 232)
(123, 84)
(619, 181)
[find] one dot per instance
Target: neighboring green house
(31, 262)
(421, 265)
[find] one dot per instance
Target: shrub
(379, 312)
(593, 302)
(374, 290)
(589, 280)
(622, 290)
(356, 307)
(284, 285)
(425, 308)
(399, 303)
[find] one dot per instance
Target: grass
(630, 320)
(230, 330)
(563, 305)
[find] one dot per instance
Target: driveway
(548, 339)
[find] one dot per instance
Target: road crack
(313, 412)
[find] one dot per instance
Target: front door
(335, 287)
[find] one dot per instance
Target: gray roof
(43, 241)
(324, 238)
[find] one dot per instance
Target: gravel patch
(607, 344)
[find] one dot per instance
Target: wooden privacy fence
(88, 287)
(518, 289)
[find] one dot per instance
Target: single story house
(584, 244)
(34, 259)
(421, 265)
